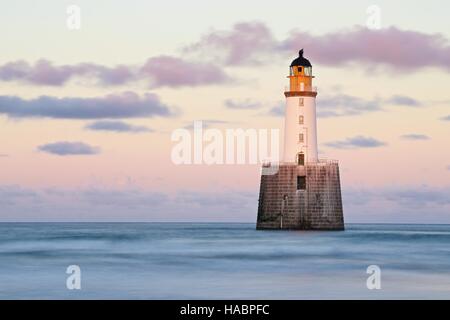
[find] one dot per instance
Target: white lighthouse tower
(305, 192)
(300, 132)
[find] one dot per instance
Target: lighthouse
(300, 133)
(305, 191)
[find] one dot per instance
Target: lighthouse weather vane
(305, 193)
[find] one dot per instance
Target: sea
(222, 261)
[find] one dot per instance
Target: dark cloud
(124, 105)
(3, 155)
(402, 50)
(158, 71)
(64, 148)
(242, 105)
(447, 118)
(116, 126)
(355, 143)
(415, 136)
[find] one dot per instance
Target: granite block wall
(317, 207)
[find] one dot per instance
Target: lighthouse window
(308, 71)
(300, 102)
(291, 71)
(301, 183)
(300, 119)
(301, 137)
(301, 159)
(299, 69)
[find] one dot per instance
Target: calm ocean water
(221, 261)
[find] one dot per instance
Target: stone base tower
(302, 197)
(305, 192)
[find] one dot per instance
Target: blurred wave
(221, 261)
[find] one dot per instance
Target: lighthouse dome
(300, 61)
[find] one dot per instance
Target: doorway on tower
(301, 183)
(300, 159)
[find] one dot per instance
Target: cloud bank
(414, 204)
(129, 204)
(401, 204)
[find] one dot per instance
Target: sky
(86, 114)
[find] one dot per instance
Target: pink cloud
(176, 72)
(44, 72)
(243, 44)
(250, 43)
(399, 49)
(159, 71)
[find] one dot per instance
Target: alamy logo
(73, 21)
(373, 21)
(73, 281)
(374, 280)
(234, 146)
